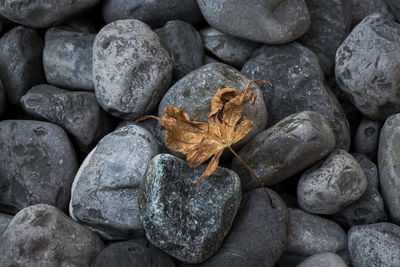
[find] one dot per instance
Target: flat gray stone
(43, 14)
(362, 8)
(388, 166)
(231, 50)
(37, 165)
(78, 112)
(184, 45)
(298, 84)
(20, 62)
(395, 7)
(323, 260)
(285, 149)
(42, 235)
(331, 184)
(195, 91)
(155, 13)
(375, 245)
(272, 22)
(67, 59)
(371, 82)
(105, 189)
(330, 25)
(131, 69)
(188, 223)
(5, 220)
(366, 139)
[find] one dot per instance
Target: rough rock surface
(272, 22)
(105, 189)
(286, 148)
(131, 68)
(323, 260)
(42, 235)
(37, 165)
(194, 231)
(298, 84)
(366, 139)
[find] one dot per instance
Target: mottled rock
(20, 62)
(330, 25)
(5, 220)
(42, 235)
(298, 84)
(395, 6)
(371, 82)
(323, 260)
(77, 112)
(369, 208)
(331, 184)
(135, 252)
(105, 189)
(37, 165)
(362, 8)
(67, 59)
(286, 148)
(366, 139)
(375, 245)
(389, 167)
(193, 232)
(231, 50)
(43, 14)
(131, 69)
(2, 98)
(184, 45)
(155, 13)
(272, 22)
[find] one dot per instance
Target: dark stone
(395, 6)
(2, 98)
(366, 139)
(362, 8)
(5, 220)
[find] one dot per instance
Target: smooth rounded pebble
(271, 22)
(42, 235)
(37, 165)
(323, 260)
(285, 149)
(131, 69)
(105, 189)
(188, 223)
(331, 184)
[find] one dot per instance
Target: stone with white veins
(131, 68)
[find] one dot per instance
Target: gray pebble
(371, 82)
(188, 223)
(105, 189)
(362, 8)
(298, 84)
(5, 220)
(327, 259)
(20, 62)
(366, 139)
(375, 245)
(131, 69)
(395, 6)
(37, 165)
(67, 59)
(272, 22)
(285, 149)
(184, 45)
(42, 235)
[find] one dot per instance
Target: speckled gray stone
(285, 149)
(330, 25)
(331, 184)
(323, 260)
(366, 139)
(20, 62)
(37, 165)
(188, 223)
(371, 81)
(105, 189)
(195, 91)
(135, 252)
(298, 84)
(5, 220)
(43, 13)
(2, 98)
(67, 59)
(395, 7)
(375, 245)
(77, 112)
(42, 235)
(155, 13)
(231, 50)
(184, 45)
(131, 69)
(272, 22)
(362, 8)
(388, 166)
(369, 208)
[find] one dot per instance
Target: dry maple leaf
(199, 141)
